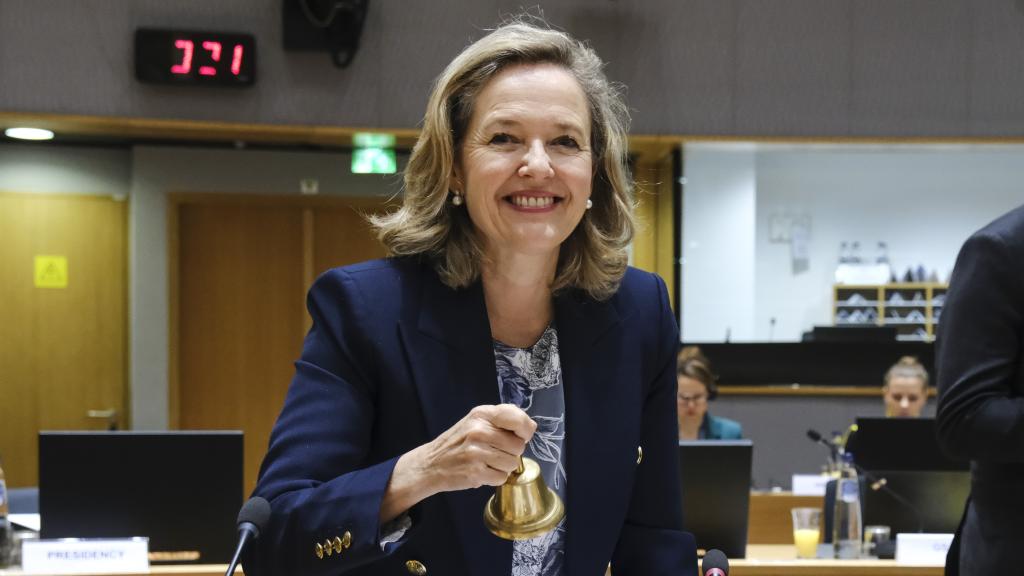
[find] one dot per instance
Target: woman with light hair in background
(906, 389)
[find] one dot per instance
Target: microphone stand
(880, 483)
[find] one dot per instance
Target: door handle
(110, 415)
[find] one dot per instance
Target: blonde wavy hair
(594, 256)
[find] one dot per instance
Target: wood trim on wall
(801, 390)
(653, 146)
(174, 129)
(665, 253)
(308, 272)
(173, 270)
(652, 244)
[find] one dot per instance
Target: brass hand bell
(523, 507)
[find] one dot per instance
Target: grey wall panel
(792, 70)
(728, 67)
(996, 105)
(911, 67)
(420, 44)
(682, 79)
(778, 427)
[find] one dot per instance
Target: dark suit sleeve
(652, 541)
(980, 415)
(316, 474)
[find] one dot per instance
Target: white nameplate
(76, 556)
(809, 484)
(922, 548)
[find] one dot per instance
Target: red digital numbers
(214, 49)
(185, 65)
(236, 60)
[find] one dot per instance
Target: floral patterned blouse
(531, 378)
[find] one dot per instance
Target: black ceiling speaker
(332, 26)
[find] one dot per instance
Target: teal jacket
(718, 428)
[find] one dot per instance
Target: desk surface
(780, 560)
(190, 570)
(763, 560)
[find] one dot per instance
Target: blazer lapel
(590, 350)
(452, 364)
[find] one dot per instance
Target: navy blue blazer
(394, 358)
(980, 417)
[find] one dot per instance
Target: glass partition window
(780, 238)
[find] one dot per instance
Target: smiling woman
(523, 169)
(505, 324)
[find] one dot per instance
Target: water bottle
(847, 526)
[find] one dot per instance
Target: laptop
(899, 444)
(715, 483)
(917, 500)
(925, 490)
(181, 489)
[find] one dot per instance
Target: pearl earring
(590, 203)
(456, 199)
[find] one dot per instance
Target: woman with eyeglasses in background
(696, 387)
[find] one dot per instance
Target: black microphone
(252, 518)
(714, 564)
(817, 437)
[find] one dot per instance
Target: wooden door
(242, 269)
(63, 349)
(341, 235)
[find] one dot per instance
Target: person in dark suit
(505, 323)
(696, 387)
(980, 364)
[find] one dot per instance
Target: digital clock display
(194, 58)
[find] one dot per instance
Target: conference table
(781, 560)
(762, 560)
(770, 551)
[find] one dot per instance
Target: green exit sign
(374, 161)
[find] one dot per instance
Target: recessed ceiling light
(23, 133)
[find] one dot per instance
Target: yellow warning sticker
(51, 272)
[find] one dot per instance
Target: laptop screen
(715, 483)
(181, 489)
(917, 500)
(899, 444)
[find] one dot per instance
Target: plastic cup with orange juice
(806, 531)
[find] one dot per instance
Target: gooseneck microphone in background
(252, 519)
(817, 437)
(832, 448)
(714, 564)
